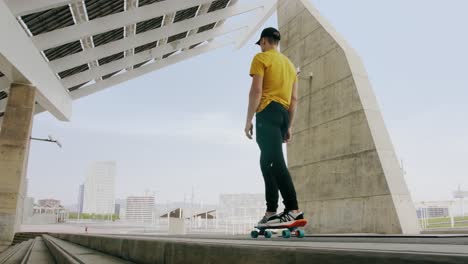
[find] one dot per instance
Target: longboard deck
(295, 224)
(288, 230)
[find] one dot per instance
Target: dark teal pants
(271, 128)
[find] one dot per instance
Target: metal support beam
(203, 9)
(24, 7)
(147, 55)
(268, 8)
(24, 58)
(78, 10)
(85, 91)
(114, 47)
(103, 24)
(168, 19)
(130, 30)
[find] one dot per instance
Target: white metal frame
(148, 36)
(159, 51)
(28, 66)
(85, 91)
(110, 22)
(25, 63)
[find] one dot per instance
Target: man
(273, 99)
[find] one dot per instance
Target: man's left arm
(255, 96)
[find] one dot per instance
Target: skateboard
(289, 230)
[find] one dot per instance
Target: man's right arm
(293, 104)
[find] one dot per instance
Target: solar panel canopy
(79, 47)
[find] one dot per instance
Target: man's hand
(288, 136)
(249, 130)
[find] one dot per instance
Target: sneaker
(284, 218)
(265, 219)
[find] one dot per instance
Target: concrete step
(24, 236)
(67, 252)
(39, 253)
(166, 249)
(17, 254)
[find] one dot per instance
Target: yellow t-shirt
(279, 75)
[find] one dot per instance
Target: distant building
(99, 189)
(117, 209)
(121, 204)
(140, 209)
(51, 203)
(28, 210)
(80, 198)
(433, 211)
(241, 205)
(47, 211)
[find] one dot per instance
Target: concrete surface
(40, 253)
(342, 161)
(65, 252)
(14, 150)
(199, 249)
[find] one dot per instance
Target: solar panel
(62, 17)
(48, 20)
(63, 50)
(73, 71)
(138, 65)
(206, 27)
(102, 8)
(107, 37)
(149, 24)
(111, 58)
(195, 45)
(184, 14)
(168, 54)
(76, 87)
(148, 46)
(107, 76)
(147, 2)
(177, 37)
(217, 5)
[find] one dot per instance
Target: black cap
(269, 33)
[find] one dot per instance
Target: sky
(182, 127)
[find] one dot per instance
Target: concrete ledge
(18, 253)
(39, 253)
(197, 250)
(446, 231)
(66, 252)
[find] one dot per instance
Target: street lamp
(50, 139)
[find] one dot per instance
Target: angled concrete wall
(341, 158)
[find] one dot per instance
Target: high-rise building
(99, 189)
(80, 198)
(140, 209)
(117, 209)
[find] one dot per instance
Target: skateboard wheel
(268, 234)
(300, 233)
(254, 234)
(286, 234)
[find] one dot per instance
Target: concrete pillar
(342, 161)
(14, 149)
